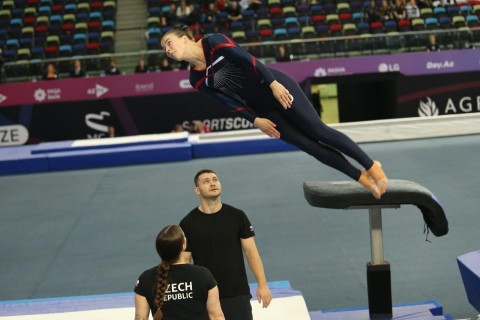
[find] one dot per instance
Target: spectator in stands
(113, 69)
(195, 15)
(432, 43)
(141, 66)
(234, 11)
(399, 10)
(51, 72)
(202, 128)
(372, 13)
(191, 127)
(165, 65)
(282, 55)
(211, 12)
(111, 131)
(177, 128)
(170, 18)
(183, 11)
(386, 11)
(412, 9)
(77, 70)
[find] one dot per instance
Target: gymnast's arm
(234, 52)
(234, 105)
(141, 307)
(265, 125)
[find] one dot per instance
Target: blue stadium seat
(56, 19)
(155, 12)
(236, 25)
(95, 16)
(70, 8)
(17, 13)
(444, 22)
(79, 49)
(305, 21)
(12, 44)
(93, 37)
(294, 32)
(453, 11)
(280, 34)
(291, 22)
(79, 38)
(465, 10)
(44, 11)
(108, 25)
(153, 44)
(65, 50)
(358, 17)
(10, 55)
(431, 23)
(25, 42)
(439, 12)
(472, 20)
(37, 53)
(390, 25)
(154, 33)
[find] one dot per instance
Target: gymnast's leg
(324, 153)
(303, 116)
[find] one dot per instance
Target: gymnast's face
(208, 186)
(174, 46)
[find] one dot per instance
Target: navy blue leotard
(241, 82)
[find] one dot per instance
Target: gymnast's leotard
(241, 82)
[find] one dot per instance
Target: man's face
(208, 186)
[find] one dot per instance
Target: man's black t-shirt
(186, 295)
(214, 241)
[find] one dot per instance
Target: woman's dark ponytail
(169, 245)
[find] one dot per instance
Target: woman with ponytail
(176, 290)
(270, 99)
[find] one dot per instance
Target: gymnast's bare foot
(381, 180)
(367, 181)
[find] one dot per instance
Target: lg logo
(388, 67)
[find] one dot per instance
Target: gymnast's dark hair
(199, 173)
(169, 245)
(180, 30)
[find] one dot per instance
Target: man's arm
(256, 265)
(141, 307)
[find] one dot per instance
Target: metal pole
(376, 235)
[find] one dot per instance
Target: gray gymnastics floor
(92, 231)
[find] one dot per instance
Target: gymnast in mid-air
(270, 99)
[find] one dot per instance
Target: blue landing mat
(279, 289)
(429, 310)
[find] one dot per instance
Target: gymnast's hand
(267, 127)
(281, 94)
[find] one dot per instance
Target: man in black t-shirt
(217, 235)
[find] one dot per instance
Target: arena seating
(40, 29)
(284, 19)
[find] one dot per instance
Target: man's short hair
(199, 173)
